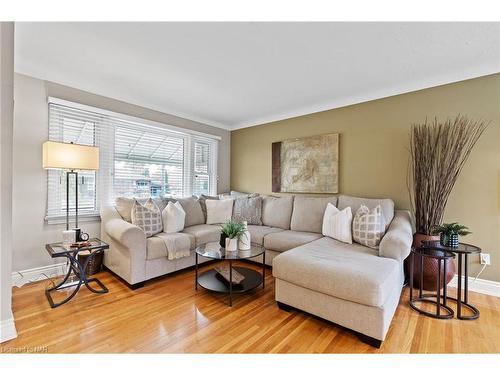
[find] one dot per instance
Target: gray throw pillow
(192, 208)
(248, 209)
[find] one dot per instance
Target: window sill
(85, 218)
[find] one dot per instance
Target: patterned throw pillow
(368, 227)
(248, 209)
(147, 217)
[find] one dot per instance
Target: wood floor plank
(169, 316)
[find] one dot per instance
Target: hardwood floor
(169, 316)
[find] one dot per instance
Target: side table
(57, 250)
(440, 300)
(463, 250)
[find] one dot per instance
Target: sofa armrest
(126, 256)
(129, 235)
(396, 243)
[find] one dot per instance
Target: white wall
(30, 231)
(7, 327)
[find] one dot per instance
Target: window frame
(105, 176)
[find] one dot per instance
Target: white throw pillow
(368, 227)
(337, 224)
(219, 211)
(147, 217)
(173, 217)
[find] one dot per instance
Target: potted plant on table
(438, 152)
(448, 233)
(232, 231)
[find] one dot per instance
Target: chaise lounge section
(351, 285)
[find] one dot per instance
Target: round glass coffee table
(214, 281)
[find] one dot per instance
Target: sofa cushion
(219, 211)
(355, 203)
(338, 224)
(173, 218)
(147, 216)
(308, 213)
(156, 248)
(204, 233)
(277, 211)
(202, 199)
(124, 205)
(192, 208)
(248, 209)
(368, 226)
(288, 239)
(352, 272)
(258, 232)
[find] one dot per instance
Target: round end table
(440, 301)
(462, 251)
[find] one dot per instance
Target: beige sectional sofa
(349, 284)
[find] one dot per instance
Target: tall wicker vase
(430, 266)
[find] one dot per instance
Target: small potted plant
(448, 233)
(232, 231)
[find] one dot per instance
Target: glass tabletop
(433, 253)
(213, 250)
(463, 248)
(56, 249)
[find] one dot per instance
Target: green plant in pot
(438, 152)
(449, 233)
(231, 232)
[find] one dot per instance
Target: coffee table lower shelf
(210, 280)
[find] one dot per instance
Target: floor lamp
(71, 158)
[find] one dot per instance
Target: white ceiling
(234, 75)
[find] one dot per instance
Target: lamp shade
(58, 155)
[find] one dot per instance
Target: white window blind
(67, 125)
(202, 171)
(137, 159)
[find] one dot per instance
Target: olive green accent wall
(373, 150)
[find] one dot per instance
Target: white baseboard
(7, 330)
(19, 278)
(482, 286)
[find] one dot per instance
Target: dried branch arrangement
(438, 152)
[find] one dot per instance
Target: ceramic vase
(430, 266)
(231, 244)
(244, 240)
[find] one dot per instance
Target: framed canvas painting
(306, 165)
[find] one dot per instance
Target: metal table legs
(426, 298)
(465, 301)
(79, 270)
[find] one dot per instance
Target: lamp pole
(71, 172)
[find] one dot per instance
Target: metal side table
(57, 250)
(440, 301)
(462, 251)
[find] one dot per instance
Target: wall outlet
(485, 258)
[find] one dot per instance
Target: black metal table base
(210, 281)
(426, 298)
(438, 299)
(441, 300)
(465, 300)
(79, 271)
